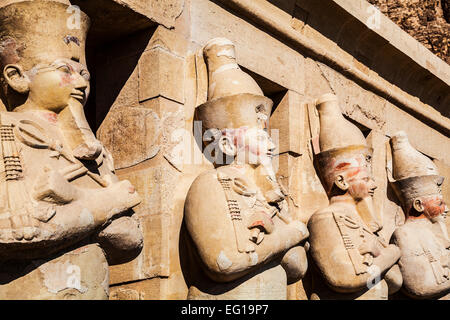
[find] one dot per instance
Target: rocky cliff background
(426, 20)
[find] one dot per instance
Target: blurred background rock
(426, 20)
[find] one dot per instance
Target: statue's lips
(78, 96)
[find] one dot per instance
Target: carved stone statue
(423, 239)
(350, 259)
(58, 186)
(240, 230)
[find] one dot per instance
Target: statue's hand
(122, 240)
(107, 203)
(23, 227)
(370, 246)
(295, 263)
(394, 279)
(51, 186)
(259, 224)
(290, 235)
(28, 226)
(300, 229)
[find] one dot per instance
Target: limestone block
(172, 134)
(269, 284)
(296, 291)
(158, 183)
(163, 12)
(161, 74)
(168, 40)
(424, 138)
(153, 259)
(298, 177)
(361, 67)
(294, 166)
(131, 135)
(289, 120)
(150, 289)
(120, 293)
(357, 103)
(314, 35)
(284, 65)
(156, 180)
(317, 84)
(78, 274)
(177, 275)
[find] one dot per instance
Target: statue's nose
(272, 145)
(81, 83)
(373, 185)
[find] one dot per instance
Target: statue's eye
(65, 68)
(86, 75)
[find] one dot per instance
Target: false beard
(268, 184)
(367, 213)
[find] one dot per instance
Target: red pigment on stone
(342, 165)
(51, 117)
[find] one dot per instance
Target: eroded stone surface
(235, 230)
(60, 186)
(148, 85)
(423, 238)
(345, 245)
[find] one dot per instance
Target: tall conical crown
(336, 131)
(415, 174)
(407, 162)
(224, 74)
(39, 31)
(234, 98)
(342, 145)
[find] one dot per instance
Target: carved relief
(349, 256)
(423, 239)
(236, 215)
(59, 186)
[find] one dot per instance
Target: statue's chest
(243, 200)
(352, 228)
(29, 146)
(420, 240)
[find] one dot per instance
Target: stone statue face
(354, 176)
(53, 86)
(253, 146)
(361, 184)
(432, 205)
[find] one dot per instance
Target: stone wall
(149, 82)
